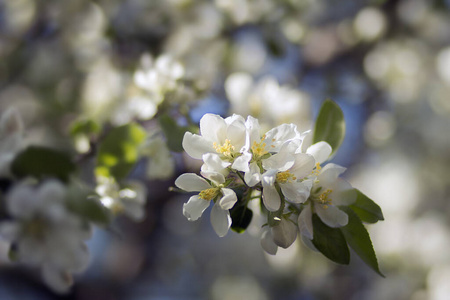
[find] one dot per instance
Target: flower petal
(194, 208)
(303, 165)
(321, 151)
(196, 145)
(241, 163)
(343, 193)
(271, 198)
(296, 192)
(332, 216)
(284, 234)
(305, 222)
(213, 127)
(191, 182)
(253, 176)
(228, 200)
(220, 220)
(267, 242)
(329, 174)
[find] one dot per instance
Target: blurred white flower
(45, 234)
(129, 200)
(267, 100)
(161, 163)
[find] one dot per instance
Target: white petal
(58, 280)
(284, 234)
(194, 208)
(196, 145)
(343, 193)
(21, 201)
(305, 222)
(220, 220)
(296, 192)
(236, 133)
(267, 242)
(9, 230)
(191, 182)
(10, 122)
(229, 198)
(332, 216)
(303, 165)
(253, 130)
(280, 161)
(253, 176)
(271, 198)
(241, 163)
(52, 191)
(308, 243)
(213, 161)
(218, 178)
(213, 127)
(329, 174)
(280, 134)
(321, 151)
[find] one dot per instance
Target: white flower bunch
(45, 234)
(290, 179)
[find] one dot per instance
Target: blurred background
(386, 63)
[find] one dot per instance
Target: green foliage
(330, 125)
(367, 210)
(84, 127)
(118, 151)
(241, 217)
(359, 240)
(90, 209)
(42, 162)
(330, 242)
(173, 132)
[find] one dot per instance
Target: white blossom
(129, 200)
(45, 234)
(327, 193)
(223, 198)
(225, 137)
(160, 164)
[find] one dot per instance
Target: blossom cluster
(288, 176)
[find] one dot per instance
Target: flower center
(259, 149)
(325, 199)
(209, 194)
(286, 176)
(316, 171)
(226, 149)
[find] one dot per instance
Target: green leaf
(173, 132)
(330, 242)
(118, 151)
(367, 210)
(84, 127)
(90, 209)
(359, 240)
(42, 162)
(241, 217)
(330, 125)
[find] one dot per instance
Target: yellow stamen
(286, 176)
(209, 194)
(324, 198)
(259, 149)
(316, 171)
(227, 149)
